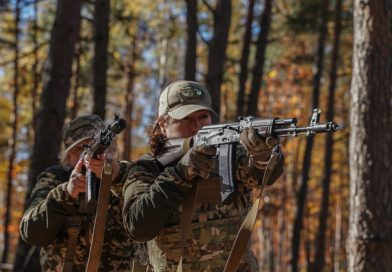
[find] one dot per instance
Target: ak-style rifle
(101, 141)
(227, 136)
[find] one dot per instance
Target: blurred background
(60, 59)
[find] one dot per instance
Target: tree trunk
(338, 235)
(370, 231)
(50, 118)
(244, 60)
(75, 98)
(217, 51)
(282, 216)
(101, 39)
(265, 23)
(267, 261)
(129, 101)
(11, 161)
(323, 216)
(191, 43)
(163, 46)
(302, 194)
(36, 76)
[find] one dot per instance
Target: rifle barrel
(308, 130)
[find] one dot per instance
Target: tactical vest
(117, 247)
(209, 238)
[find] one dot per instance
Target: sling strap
(101, 215)
(186, 218)
(73, 229)
(241, 241)
(246, 229)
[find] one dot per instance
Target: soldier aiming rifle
(57, 219)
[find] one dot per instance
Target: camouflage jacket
(153, 196)
(45, 224)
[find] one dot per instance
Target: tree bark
(11, 161)
(129, 101)
(217, 51)
(163, 47)
(101, 40)
(244, 59)
(191, 43)
(267, 262)
(338, 235)
(75, 98)
(370, 230)
(258, 68)
(282, 216)
(50, 118)
(324, 211)
(36, 76)
(302, 194)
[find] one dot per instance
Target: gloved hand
(258, 148)
(197, 162)
(77, 181)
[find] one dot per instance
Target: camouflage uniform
(45, 224)
(153, 197)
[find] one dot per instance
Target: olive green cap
(80, 129)
(182, 98)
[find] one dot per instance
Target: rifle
(88, 201)
(101, 141)
(227, 136)
(99, 192)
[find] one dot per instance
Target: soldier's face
(187, 127)
(76, 151)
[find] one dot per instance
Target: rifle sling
(73, 228)
(241, 241)
(100, 217)
(186, 218)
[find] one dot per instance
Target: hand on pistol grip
(199, 161)
(258, 148)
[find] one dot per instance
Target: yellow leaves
(272, 74)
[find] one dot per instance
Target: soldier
(55, 204)
(154, 194)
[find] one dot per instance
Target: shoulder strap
(186, 217)
(74, 222)
(241, 241)
(101, 215)
(73, 228)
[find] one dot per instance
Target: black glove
(199, 161)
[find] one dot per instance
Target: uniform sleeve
(251, 176)
(46, 216)
(150, 198)
(118, 183)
